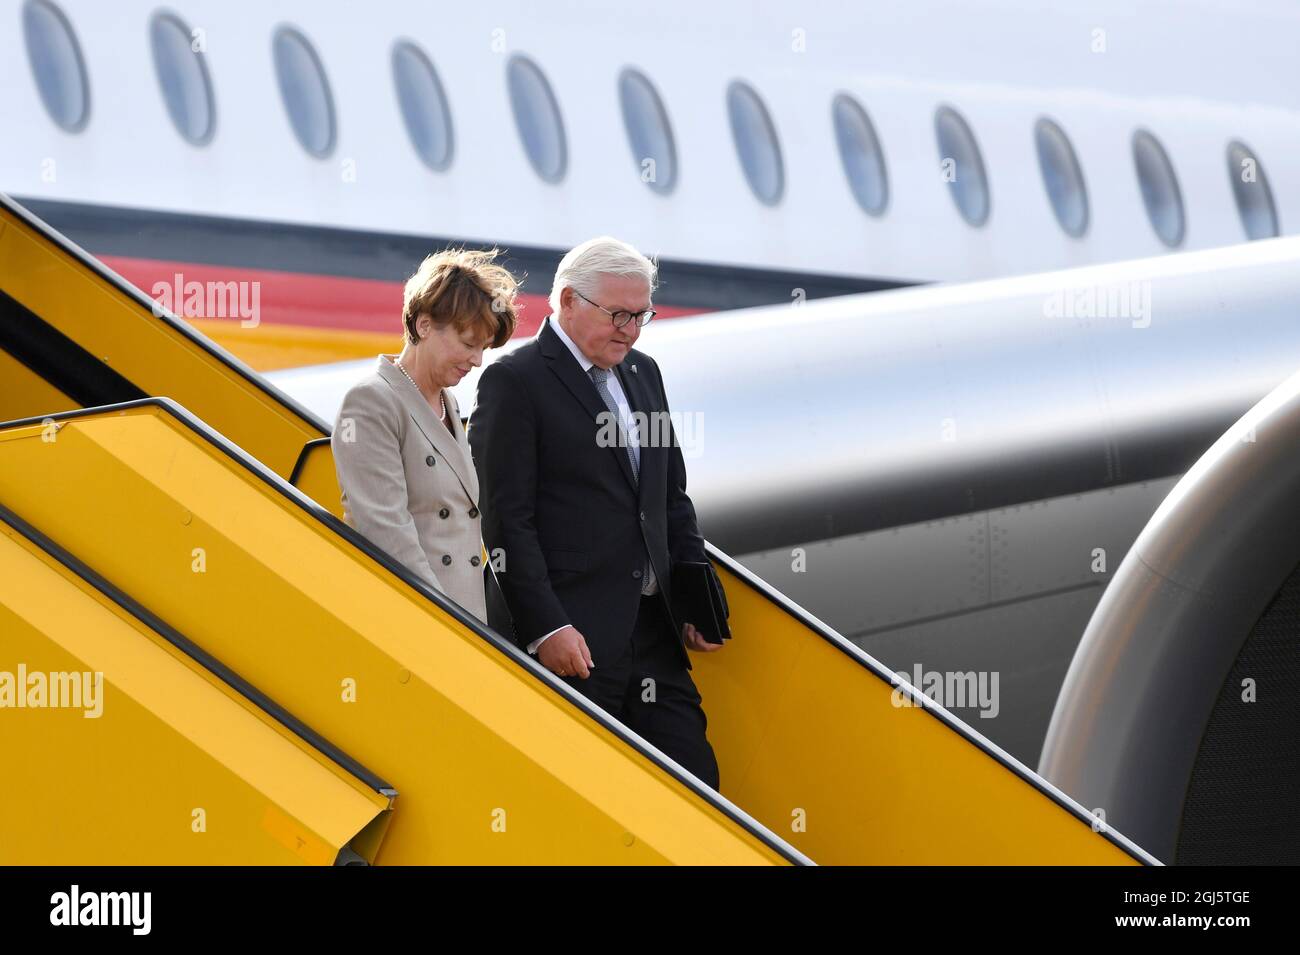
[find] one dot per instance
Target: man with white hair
(590, 526)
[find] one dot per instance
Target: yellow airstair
(172, 522)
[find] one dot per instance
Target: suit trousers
(652, 693)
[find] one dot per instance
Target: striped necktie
(600, 378)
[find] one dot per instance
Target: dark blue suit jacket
(563, 511)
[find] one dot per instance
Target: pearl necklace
(441, 400)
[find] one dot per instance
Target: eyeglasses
(622, 316)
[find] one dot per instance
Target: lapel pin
(634, 369)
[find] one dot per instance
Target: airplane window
(537, 117)
(183, 78)
(756, 143)
(305, 91)
(962, 166)
(648, 131)
(1159, 185)
(57, 64)
(860, 152)
(424, 105)
(1250, 189)
(1062, 177)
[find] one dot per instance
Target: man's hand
(565, 653)
(691, 636)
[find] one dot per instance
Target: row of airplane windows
(186, 85)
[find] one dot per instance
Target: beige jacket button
(446, 560)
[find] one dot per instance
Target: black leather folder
(698, 599)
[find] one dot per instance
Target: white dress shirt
(624, 412)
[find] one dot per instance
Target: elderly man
(589, 526)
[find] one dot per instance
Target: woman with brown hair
(400, 450)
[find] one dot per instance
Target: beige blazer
(409, 484)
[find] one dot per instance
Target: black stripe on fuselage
(392, 257)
